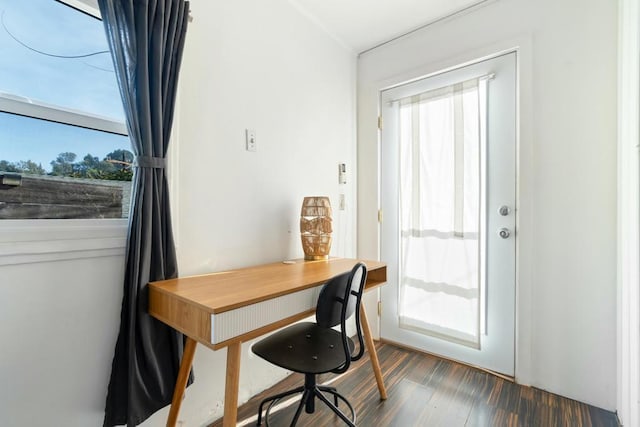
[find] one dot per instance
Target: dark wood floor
(427, 391)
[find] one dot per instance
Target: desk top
(259, 299)
(219, 292)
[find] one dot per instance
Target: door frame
(517, 185)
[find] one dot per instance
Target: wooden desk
(228, 308)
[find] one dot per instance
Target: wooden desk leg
(373, 355)
(232, 384)
(181, 382)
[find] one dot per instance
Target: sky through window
(54, 54)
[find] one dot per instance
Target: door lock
(504, 233)
(504, 210)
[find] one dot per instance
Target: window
(64, 152)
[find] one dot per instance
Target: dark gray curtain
(146, 39)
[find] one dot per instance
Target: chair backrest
(339, 299)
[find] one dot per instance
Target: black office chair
(317, 348)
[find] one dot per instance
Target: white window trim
(24, 241)
(24, 106)
(628, 298)
(90, 7)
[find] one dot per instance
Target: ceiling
(363, 24)
(358, 24)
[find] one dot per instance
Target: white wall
(566, 294)
(261, 65)
(252, 64)
(60, 299)
(247, 64)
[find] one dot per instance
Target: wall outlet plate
(251, 144)
(342, 173)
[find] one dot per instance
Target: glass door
(448, 197)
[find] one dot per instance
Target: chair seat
(304, 347)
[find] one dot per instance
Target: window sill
(33, 241)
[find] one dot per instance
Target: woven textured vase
(315, 227)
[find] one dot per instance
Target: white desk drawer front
(236, 322)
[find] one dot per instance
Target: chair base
(309, 391)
